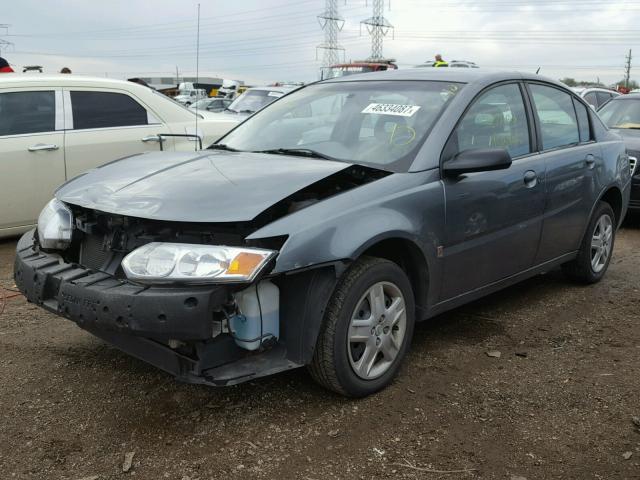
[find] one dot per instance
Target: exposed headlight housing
(160, 262)
(55, 226)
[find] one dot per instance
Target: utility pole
(332, 23)
(378, 27)
(627, 69)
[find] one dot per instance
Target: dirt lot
(557, 403)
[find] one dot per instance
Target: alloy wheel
(377, 330)
(601, 243)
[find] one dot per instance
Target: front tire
(367, 329)
(596, 249)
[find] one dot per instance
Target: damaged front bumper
(144, 320)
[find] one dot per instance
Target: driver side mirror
(477, 160)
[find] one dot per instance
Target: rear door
(105, 125)
(571, 156)
(31, 154)
(494, 219)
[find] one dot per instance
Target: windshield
(253, 100)
(621, 113)
(380, 123)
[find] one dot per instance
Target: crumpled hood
(206, 186)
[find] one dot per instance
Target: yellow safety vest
(441, 63)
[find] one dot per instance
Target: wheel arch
(409, 257)
(613, 196)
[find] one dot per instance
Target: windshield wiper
(221, 146)
(230, 110)
(247, 111)
(301, 152)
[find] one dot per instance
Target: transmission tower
(4, 44)
(378, 27)
(627, 70)
(331, 22)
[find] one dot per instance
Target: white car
(594, 96)
(188, 97)
(53, 128)
(249, 103)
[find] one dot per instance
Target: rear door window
(27, 112)
(591, 99)
(557, 116)
(603, 97)
(106, 109)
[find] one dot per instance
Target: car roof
(272, 89)
(453, 75)
(8, 80)
(599, 89)
(629, 96)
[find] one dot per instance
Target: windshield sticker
(274, 94)
(391, 109)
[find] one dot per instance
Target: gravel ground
(557, 402)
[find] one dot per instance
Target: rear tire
(367, 329)
(596, 249)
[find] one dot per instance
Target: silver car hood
(206, 186)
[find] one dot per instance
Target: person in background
(4, 66)
(65, 70)
(440, 62)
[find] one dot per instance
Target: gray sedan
(320, 230)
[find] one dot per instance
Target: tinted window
(603, 97)
(590, 98)
(27, 112)
(497, 119)
(102, 109)
(558, 123)
(583, 121)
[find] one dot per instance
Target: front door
(31, 154)
(494, 219)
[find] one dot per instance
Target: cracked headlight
(160, 262)
(55, 225)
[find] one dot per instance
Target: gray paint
(493, 229)
(209, 186)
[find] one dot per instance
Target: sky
(275, 40)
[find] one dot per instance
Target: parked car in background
(249, 103)
(188, 97)
(358, 66)
(594, 96)
(214, 104)
(323, 227)
(622, 115)
(53, 128)
(452, 64)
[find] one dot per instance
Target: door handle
(43, 146)
(530, 179)
(151, 138)
(590, 160)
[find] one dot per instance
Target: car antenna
(197, 77)
(538, 70)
